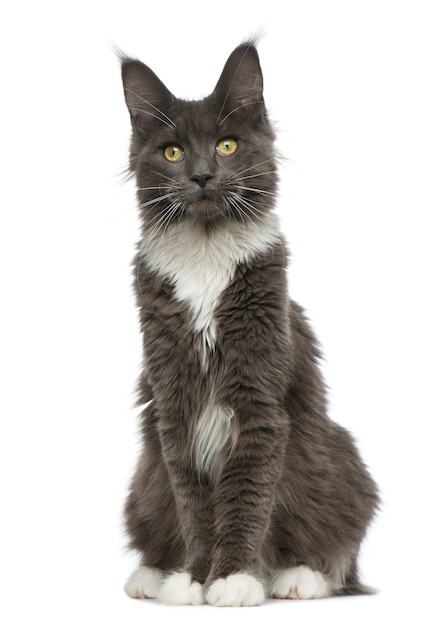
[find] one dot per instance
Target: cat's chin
(206, 210)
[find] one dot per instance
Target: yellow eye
(227, 146)
(174, 153)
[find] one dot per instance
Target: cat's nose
(201, 179)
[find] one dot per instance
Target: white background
(352, 87)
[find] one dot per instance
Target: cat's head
(209, 160)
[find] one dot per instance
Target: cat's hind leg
(144, 582)
(301, 583)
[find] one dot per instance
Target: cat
(245, 488)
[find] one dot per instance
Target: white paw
(301, 583)
(178, 588)
(235, 590)
(144, 583)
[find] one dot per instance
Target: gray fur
(289, 487)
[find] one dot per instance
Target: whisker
(251, 204)
(248, 206)
(155, 200)
(163, 219)
(158, 218)
(175, 182)
(235, 203)
(254, 175)
(182, 211)
(247, 169)
(262, 191)
(171, 213)
(226, 203)
(152, 115)
(152, 188)
(239, 107)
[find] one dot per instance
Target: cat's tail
(356, 589)
(353, 586)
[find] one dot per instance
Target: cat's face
(209, 160)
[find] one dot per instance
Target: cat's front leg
(192, 495)
(196, 524)
(187, 586)
(180, 588)
(243, 502)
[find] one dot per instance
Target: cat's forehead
(196, 117)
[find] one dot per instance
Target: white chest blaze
(200, 268)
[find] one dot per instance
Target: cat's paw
(144, 583)
(179, 588)
(235, 590)
(301, 583)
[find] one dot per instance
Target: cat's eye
(227, 146)
(174, 153)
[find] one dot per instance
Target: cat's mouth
(208, 194)
(207, 205)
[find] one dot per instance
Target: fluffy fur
(245, 487)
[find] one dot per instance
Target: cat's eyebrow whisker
(237, 108)
(169, 121)
(152, 115)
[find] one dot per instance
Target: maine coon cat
(245, 488)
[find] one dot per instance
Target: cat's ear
(147, 98)
(239, 90)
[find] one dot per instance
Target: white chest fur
(201, 265)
